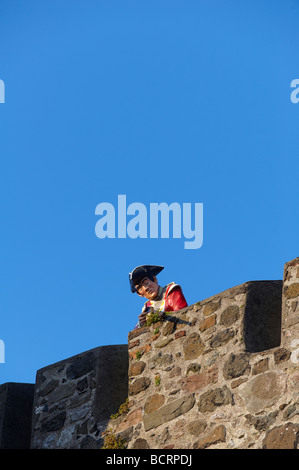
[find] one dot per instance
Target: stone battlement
(221, 373)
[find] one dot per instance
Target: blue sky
(161, 101)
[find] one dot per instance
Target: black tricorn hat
(141, 272)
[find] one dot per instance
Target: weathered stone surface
(175, 372)
(136, 368)
(169, 328)
(126, 434)
(89, 442)
(292, 291)
(211, 307)
(207, 323)
(133, 344)
(163, 343)
(81, 366)
(229, 315)
(168, 412)
(214, 398)
(261, 366)
(198, 381)
(160, 360)
(154, 402)
(62, 392)
(281, 355)
(111, 381)
(78, 413)
(236, 366)
(262, 391)
(193, 346)
(132, 418)
(180, 334)
(282, 437)
(55, 423)
(140, 444)
(261, 422)
(292, 320)
(218, 434)
(82, 385)
(237, 382)
(140, 351)
(139, 331)
(221, 338)
(292, 262)
(139, 385)
(197, 427)
(48, 386)
(291, 411)
(193, 368)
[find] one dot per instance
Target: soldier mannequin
(170, 298)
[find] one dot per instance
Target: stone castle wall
(221, 373)
(218, 374)
(74, 398)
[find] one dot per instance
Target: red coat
(175, 300)
(172, 300)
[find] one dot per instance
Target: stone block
(168, 412)
(213, 398)
(282, 437)
(218, 434)
(236, 365)
(198, 381)
(16, 400)
(263, 390)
